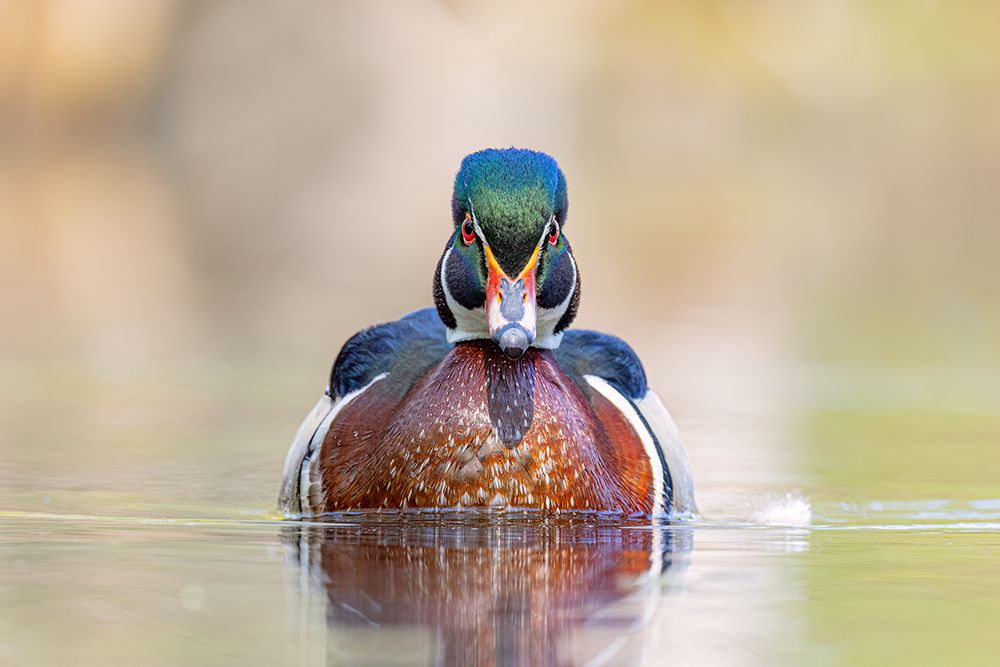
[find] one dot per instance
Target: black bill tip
(514, 341)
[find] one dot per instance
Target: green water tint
(457, 588)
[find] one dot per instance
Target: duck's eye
(468, 231)
(554, 233)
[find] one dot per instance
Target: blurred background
(775, 203)
(789, 209)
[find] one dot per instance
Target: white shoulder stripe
(629, 412)
(288, 501)
(674, 452)
(310, 483)
(300, 464)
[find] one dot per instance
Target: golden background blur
(789, 209)
(776, 203)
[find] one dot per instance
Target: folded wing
(605, 364)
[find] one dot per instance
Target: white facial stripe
(479, 231)
(545, 232)
(475, 224)
(635, 421)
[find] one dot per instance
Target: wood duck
(489, 399)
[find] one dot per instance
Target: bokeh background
(790, 209)
(778, 204)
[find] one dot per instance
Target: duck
(489, 399)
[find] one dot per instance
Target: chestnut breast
(479, 429)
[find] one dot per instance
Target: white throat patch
(471, 324)
(548, 318)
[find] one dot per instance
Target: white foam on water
(789, 509)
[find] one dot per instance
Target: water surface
(866, 584)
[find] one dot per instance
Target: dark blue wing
(584, 352)
(405, 349)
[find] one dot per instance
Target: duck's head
(508, 273)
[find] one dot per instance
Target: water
(865, 584)
(137, 526)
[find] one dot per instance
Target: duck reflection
(484, 591)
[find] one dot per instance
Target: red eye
(554, 234)
(468, 231)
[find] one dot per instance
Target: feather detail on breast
(483, 430)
